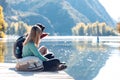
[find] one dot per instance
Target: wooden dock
(8, 72)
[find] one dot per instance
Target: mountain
(93, 10)
(59, 16)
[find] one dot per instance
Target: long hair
(34, 36)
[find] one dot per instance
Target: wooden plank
(8, 72)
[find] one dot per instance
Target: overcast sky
(112, 7)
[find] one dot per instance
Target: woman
(30, 48)
(18, 45)
(31, 44)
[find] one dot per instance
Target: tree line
(81, 29)
(94, 29)
(18, 28)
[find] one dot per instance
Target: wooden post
(97, 33)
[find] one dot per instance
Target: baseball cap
(41, 26)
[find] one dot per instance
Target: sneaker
(61, 67)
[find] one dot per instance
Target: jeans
(51, 65)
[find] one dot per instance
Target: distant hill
(93, 10)
(59, 16)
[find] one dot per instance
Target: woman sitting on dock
(30, 49)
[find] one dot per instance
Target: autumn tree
(18, 28)
(3, 24)
(118, 27)
(94, 29)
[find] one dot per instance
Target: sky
(112, 7)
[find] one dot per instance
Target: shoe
(61, 67)
(63, 63)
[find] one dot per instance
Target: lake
(86, 59)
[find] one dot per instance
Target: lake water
(86, 60)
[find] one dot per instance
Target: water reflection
(2, 50)
(111, 70)
(87, 60)
(84, 59)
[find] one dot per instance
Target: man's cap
(41, 26)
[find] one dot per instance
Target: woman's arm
(36, 52)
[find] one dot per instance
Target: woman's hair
(34, 36)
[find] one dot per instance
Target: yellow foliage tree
(118, 27)
(3, 26)
(19, 28)
(94, 29)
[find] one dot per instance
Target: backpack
(18, 45)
